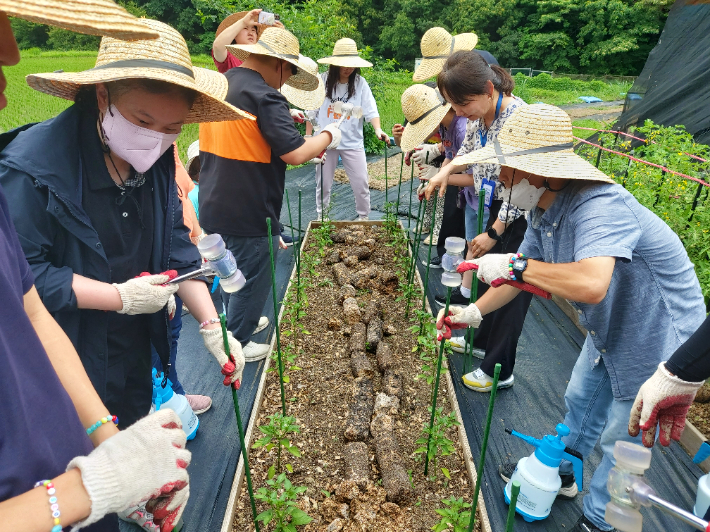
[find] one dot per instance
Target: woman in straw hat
(106, 166)
(623, 269)
(343, 83)
(483, 94)
(50, 414)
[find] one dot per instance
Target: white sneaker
(478, 381)
(458, 344)
(253, 351)
(263, 324)
(140, 516)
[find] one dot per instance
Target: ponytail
(466, 74)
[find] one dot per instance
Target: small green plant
(288, 359)
(454, 516)
(438, 444)
(276, 433)
(281, 496)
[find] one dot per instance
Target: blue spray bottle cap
(702, 453)
(161, 394)
(550, 451)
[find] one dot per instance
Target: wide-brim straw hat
(536, 139)
(424, 108)
(94, 17)
(437, 45)
(345, 54)
(281, 43)
(236, 17)
(163, 59)
(306, 100)
(193, 151)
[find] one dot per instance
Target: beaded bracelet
(100, 422)
(510, 265)
(53, 505)
(209, 322)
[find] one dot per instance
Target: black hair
(194, 169)
(466, 74)
(334, 78)
(86, 96)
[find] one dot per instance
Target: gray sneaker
(253, 351)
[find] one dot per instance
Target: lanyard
(484, 140)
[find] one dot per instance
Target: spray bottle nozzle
(550, 451)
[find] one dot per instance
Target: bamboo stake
(240, 427)
(276, 316)
(484, 446)
(514, 491)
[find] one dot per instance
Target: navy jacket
(41, 174)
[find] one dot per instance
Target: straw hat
(537, 139)
(95, 17)
(163, 59)
(193, 151)
(306, 100)
(437, 45)
(281, 43)
(236, 17)
(424, 108)
(345, 55)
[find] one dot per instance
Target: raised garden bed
(351, 365)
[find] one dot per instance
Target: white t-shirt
(351, 128)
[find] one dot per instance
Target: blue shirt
(192, 196)
(654, 302)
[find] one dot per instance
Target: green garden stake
(514, 491)
(399, 186)
(298, 268)
(276, 316)
(413, 261)
(426, 276)
(409, 212)
(240, 428)
(386, 191)
(484, 446)
(470, 331)
(436, 385)
(290, 221)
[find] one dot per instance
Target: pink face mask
(138, 146)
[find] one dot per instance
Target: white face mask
(524, 195)
(138, 146)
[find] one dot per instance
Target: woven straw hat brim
(560, 164)
(416, 134)
(304, 80)
(93, 17)
(429, 68)
(306, 100)
(209, 106)
(236, 17)
(345, 61)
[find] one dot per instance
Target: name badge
(488, 187)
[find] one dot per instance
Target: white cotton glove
(458, 318)
(382, 135)
(335, 133)
(318, 160)
(426, 172)
(145, 462)
(297, 115)
(489, 267)
(663, 400)
(172, 307)
(145, 295)
(233, 366)
(425, 153)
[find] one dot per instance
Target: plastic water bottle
(539, 476)
(167, 398)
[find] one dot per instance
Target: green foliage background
(588, 36)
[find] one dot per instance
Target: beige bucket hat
(95, 17)
(345, 54)
(281, 43)
(236, 17)
(437, 45)
(306, 100)
(537, 139)
(163, 59)
(424, 108)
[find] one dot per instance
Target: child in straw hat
(237, 28)
(243, 173)
(624, 270)
(483, 94)
(343, 83)
(47, 400)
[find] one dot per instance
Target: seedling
(433, 442)
(280, 495)
(454, 516)
(276, 433)
(288, 358)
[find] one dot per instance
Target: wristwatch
(519, 266)
(492, 233)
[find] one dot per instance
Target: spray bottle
(165, 397)
(539, 476)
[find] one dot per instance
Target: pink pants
(356, 170)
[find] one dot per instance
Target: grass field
(26, 105)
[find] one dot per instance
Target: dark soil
(699, 414)
(318, 396)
